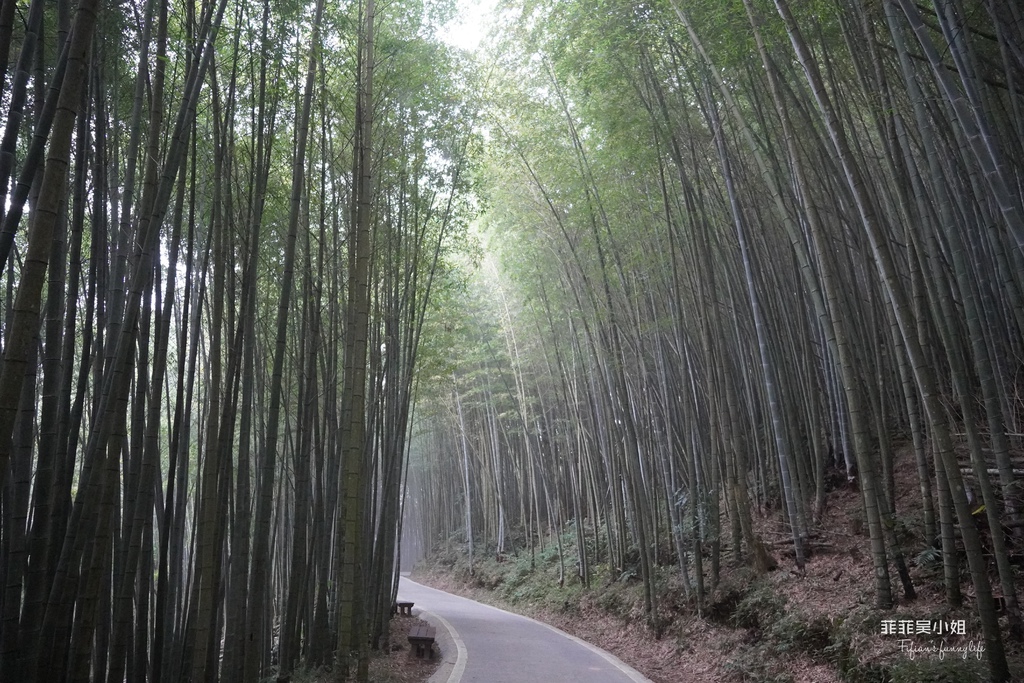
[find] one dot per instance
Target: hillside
(780, 627)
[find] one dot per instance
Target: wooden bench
(421, 636)
(405, 608)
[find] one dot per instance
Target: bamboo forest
(295, 295)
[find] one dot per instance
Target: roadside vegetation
(396, 662)
(778, 627)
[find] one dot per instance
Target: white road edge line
(630, 672)
(461, 654)
(460, 665)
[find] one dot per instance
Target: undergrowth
(764, 633)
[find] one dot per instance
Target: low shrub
(752, 663)
(949, 669)
(760, 607)
(797, 632)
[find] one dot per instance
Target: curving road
(482, 644)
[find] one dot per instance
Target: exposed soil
(398, 663)
(395, 663)
(818, 626)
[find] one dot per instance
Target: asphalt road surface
(482, 644)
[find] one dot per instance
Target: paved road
(481, 644)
